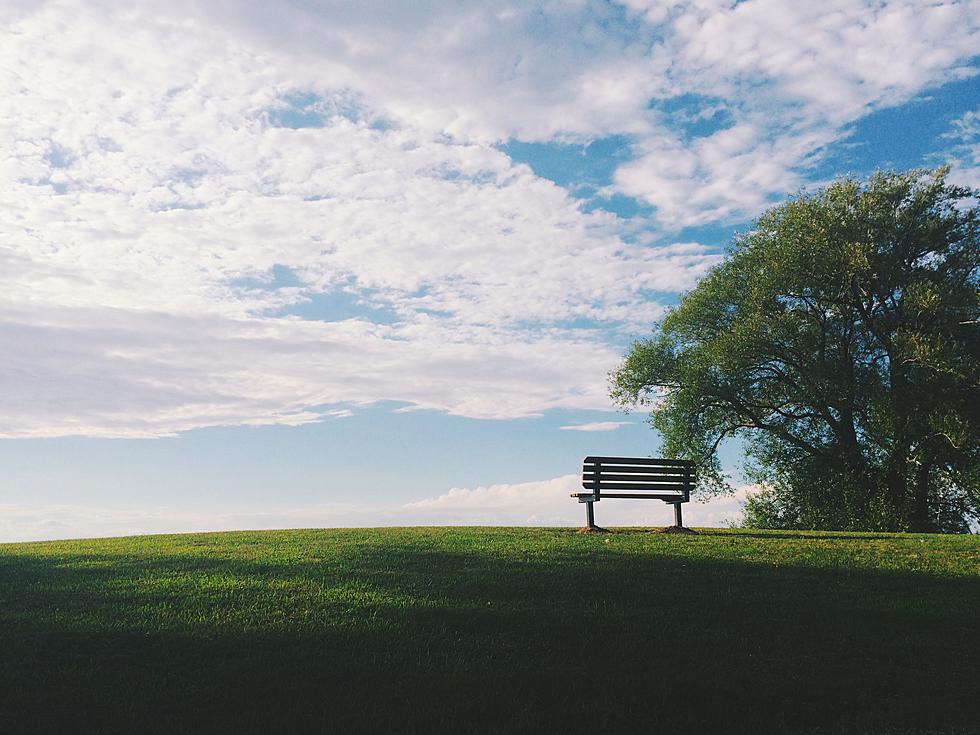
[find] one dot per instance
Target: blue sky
(330, 264)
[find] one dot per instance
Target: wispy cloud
(596, 426)
(793, 76)
(963, 151)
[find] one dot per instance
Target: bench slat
(635, 477)
(639, 470)
(637, 496)
(639, 461)
(654, 482)
(603, 486)
(645, 496)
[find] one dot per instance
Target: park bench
(669, 480)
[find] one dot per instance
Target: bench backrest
(661, 479)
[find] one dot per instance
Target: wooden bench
(669, 480)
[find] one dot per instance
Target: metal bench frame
(669, 480)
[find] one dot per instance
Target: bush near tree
(840, 340)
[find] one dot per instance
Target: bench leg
(677, 516)
(590, 526)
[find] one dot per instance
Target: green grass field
(492, 630)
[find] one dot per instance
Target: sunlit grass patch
(542, 629)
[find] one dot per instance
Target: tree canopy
(840, 339)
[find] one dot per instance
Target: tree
(840, 340)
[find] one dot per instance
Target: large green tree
(840, 339)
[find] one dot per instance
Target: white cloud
(486, 71)
(829, 60)
(148, 197)
(596, 426)
(548, 503)
(119, 372)
(964, 151)
(793, 76)
(544, 503)
(728, 176)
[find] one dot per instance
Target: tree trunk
(921, 522)
(896, 473)
(897, 490)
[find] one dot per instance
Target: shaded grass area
(489, 630)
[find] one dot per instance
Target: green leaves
(837, 337)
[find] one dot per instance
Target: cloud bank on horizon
(219, 213)
(538, 503)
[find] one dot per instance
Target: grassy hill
(490, 630)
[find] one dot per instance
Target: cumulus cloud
(728, 176)
(183, 181)
(155, 194)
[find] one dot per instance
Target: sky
(312, 263)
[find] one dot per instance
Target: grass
(491, 630)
